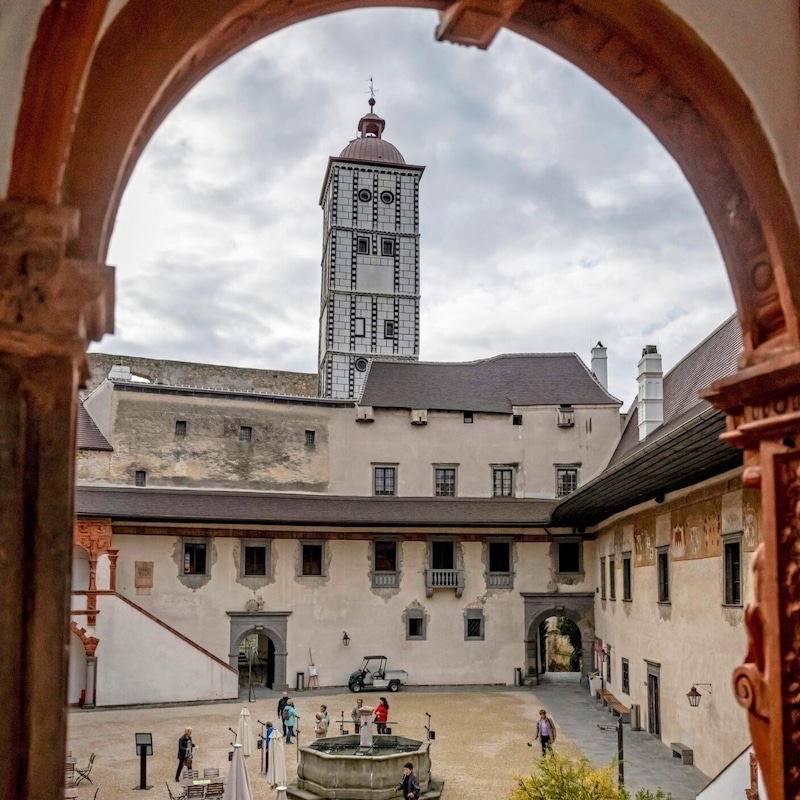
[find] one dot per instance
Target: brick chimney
(600, 364)
(650, 401)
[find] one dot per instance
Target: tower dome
(371, 146)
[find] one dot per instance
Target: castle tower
(370, 259)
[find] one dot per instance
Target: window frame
(310, 437)
(246, 433)
(140, 478)
(516, 419)
(363, 246)
(384, 469)
(304, 543)
(473, 615)
(389, 329)
(387, 247)
(181, 427)
(570, 541)
(195, 543)
(562, 471)
(627, 577)
(469, 417)
(266, 545)
(662, 574)
(603, 586)
(732, 584)
(417, 616)
(503, 468)
(612, 578)
(445, 468)
(360, 327)
(625, 675)
(377, 583)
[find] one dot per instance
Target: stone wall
(210, 376)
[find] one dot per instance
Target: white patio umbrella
(276, 771)
(237, 786)
(244, 734)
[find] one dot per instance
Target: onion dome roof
(370, 145)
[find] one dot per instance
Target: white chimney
(600, 364)
(120, 373)
(650, 402)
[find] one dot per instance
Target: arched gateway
(95, 89)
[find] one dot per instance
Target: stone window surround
(445, 467)
(267, 545)
(566, 471)
(662, 573)
(385, 467)
(472, 615)
(502, 468)
(416, 614)
(627, 576)
(732, 583)
(570, 540)
(323, 558)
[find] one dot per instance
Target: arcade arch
(652, 60)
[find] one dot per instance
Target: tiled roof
(684, 450)
(123, 503)
(714, 358)
(490, 385)
(89, 435)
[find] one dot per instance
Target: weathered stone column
(763, 407)
(50, 308)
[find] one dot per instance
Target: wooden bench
(614, 706)
(681, 751)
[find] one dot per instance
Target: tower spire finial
(371, 92)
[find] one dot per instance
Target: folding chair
(181, 793)
(211, 772)
(191, 773)
(215, 789)
(195, 791)
(83, 772)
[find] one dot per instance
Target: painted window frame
(189, 545)
(732, 573)
(381, 577)
(603, 586)
(417, 617)
(570, 541)
(627, 577)
(260, 544)
(309, 543)
(612, 578)
(663, 575)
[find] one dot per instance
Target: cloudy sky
(550, 217)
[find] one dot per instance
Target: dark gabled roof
(492, 385)
(182, 505)
(89, 435)
(684, 450)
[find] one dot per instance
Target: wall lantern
(345, 639)
(694, 696)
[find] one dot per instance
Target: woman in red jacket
(382, 715)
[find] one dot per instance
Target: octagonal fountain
(339, 768)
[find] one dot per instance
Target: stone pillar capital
(49, 304)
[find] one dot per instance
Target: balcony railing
(385, 580)
(444, 579)
(499, 580)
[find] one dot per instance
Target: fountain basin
(337, 768)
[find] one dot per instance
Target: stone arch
(578, 607)
(272, 623)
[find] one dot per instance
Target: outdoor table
(186, 782)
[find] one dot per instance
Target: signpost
(144, 748)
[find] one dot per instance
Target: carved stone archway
(72, 158)
(274, 624)
(579, 607)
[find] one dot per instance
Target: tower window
(245, 433)
(516, 419)
(387, 197)
(180, 427)
(362, 245)
(360, 364)
(140, 479)
(388, 329)
(311, 437)
(364, 195)
(361, 326)
(387, 247)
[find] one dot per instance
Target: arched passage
(271, 624)
(541, 606)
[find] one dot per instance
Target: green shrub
(659, 794)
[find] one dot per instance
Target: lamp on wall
(345, 639)
(694, 696)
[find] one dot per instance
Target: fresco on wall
(751, 520)
(644, 542)
(696, 530)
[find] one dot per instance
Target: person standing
(355, 714)
(322, 723)
(382, 715)
(185, 752)
(409, 786)
(284, 699)
(545, 731)
(290, 720)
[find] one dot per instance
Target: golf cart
(372, 674)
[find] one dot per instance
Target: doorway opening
(257, 661)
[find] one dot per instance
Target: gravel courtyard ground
(481, 736)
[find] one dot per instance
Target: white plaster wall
(139, 661)
(320, 609)
(694, 638)
(77, 670)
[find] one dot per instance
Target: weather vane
(371, 91)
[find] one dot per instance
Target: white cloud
(550, 217)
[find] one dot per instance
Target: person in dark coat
(185, 750)
(409, 786)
